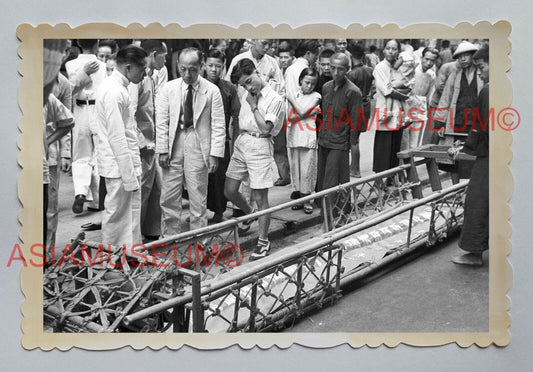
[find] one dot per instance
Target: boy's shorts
(254, 158)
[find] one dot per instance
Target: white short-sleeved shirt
(270, 105)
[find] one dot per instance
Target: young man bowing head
(117, 148)
(260, 118)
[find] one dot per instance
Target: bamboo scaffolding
(291, 253)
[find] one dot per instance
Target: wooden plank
(433, 172)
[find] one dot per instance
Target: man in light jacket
(117, 150)
(190, 136)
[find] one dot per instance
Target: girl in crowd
(301, 137)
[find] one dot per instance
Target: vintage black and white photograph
(267, 185)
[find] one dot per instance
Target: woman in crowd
(301, 136)
(388, 137)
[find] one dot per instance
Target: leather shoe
(281, 182)
(77, 206)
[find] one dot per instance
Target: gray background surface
(516, 357)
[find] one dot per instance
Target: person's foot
(281, 182)
(77, 206)
(91, 209)
(295, 195)
(262, 250)
(216, 218)
(355, 174)
(308, 208)
(150, 238)
(238, 213)
(245, 226)
(469, 259)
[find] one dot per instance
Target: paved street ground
(426, 293)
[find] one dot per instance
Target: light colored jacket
(117, 146)
(450, 94)
(208, 118)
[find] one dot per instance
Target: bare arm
(300, 108)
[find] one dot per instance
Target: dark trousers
(333, 167)
(333, 170)
(280, 155)
(216, 201)
(386, 147)
(45, 209)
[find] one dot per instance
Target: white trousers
(121, 218)
(303, 165)
(187, 166)
(84, 174)
(411, 136)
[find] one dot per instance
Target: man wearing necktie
(190, 138)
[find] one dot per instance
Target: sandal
(308, 208)
(297, 207)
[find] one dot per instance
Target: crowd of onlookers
(141, 124)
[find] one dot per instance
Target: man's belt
(81, 102)
(258, 135)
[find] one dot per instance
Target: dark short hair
(131, 54)
(192, 50)
(87, 43)
(482, 53)
(372, 48)
(215, 53)
(357, 50)
(244, 67)
(109, 43)
(396, 41)
(430, 50)
(326, 53)
(307, 45)
(152, 45)
(308, 71)
(286, 49)
(445, 43)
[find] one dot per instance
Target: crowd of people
(142, 124)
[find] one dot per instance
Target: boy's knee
(261, 199)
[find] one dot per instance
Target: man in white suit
(117, 150)
(190, 135)
(86, 73)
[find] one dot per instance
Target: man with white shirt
(306, 54)
(190, 139)
(423, 88)
(267, 66)
(117, 150)
(86, 73)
